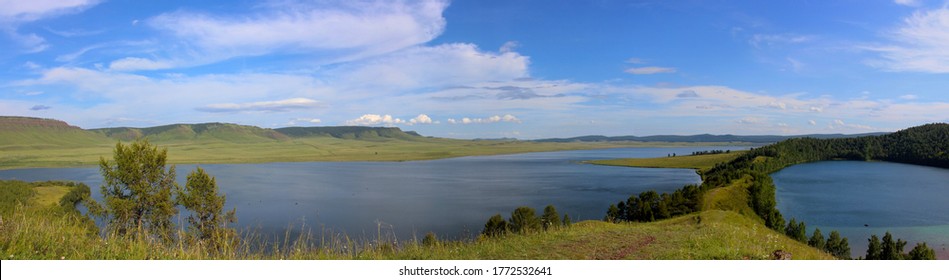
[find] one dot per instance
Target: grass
(299, 149)
(733, 197)
(699, 162)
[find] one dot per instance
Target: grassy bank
(699, 162)
(304, 149)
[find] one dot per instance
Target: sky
(482, 69)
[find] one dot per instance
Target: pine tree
(496, 226)
(524, 220)
(874, 248)
(817, 240)
(550, 219)
(922, 252)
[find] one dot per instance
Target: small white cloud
(778, 105)
(373, 119)
(816, 109)
(760, 40)
(509, 46)
(492, 119)
(909, 97)
(635, 60)
(751, 120)
(909, 3)
(421, 119)
(838, 122)
(297, 121)
(137, 63)
(812, 122)
(648, 70)
(264, 106)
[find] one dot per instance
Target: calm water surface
(910, 201)
(451, 197)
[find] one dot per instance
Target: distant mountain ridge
(704, 138)
(19, 131)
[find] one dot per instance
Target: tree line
(524, 220)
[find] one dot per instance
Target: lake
(909, 201)
(451, 197)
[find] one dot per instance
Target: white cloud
(15, 12)
(762, 40)
(373, 119)
(910, 3)
(434, 66)
(909, 97)
(509, 46)
(650, 70)
(812, 122)
(421, 119)
(265, 106)
(137, 63)
(921, 44)
(492, 119)
(347, 31)
(310, 121)
(18, 10)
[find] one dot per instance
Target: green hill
(206, 132)
(17, 133)
(350, 132)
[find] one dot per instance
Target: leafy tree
(496, 226)
(922, 252)
(207, 221)
(891, 250)
(612, 214)
(566, 220)
(839, 247)
(550, 219)
(817, 240)
(524, 220)
(138, 191)
(874, 248)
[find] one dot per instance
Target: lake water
(909, 201)
(451, 197)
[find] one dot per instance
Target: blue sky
(482, 69)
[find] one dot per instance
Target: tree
(137, 189)
(796, 230)
(817, 240)
(430, 239)
(839, 247)
(922, 252)
(524, 220)
(612, 214)
(207, 220)
(891, 250)
(550, 218)
(566, 220)
(874, 248)
(496, 226)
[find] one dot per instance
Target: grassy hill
(33, 142)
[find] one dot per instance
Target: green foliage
(874, 248)
(891, 249)
(430, 239)
(922, 252)
(13, 193)
(207, 221)
(524, 220)
(138, 190)
(839, 247)
(797, 231)
(817, 240)
(566, 220)
(650, 206)
(550, 219)
(496, 226)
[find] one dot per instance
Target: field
(301, 149)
